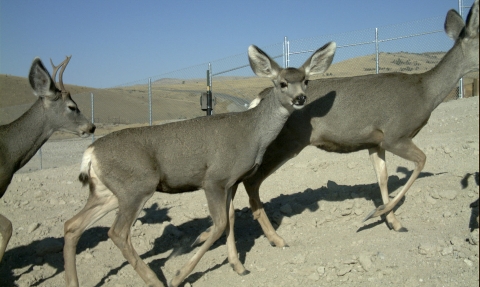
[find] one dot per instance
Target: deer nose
(92, 129)
(300, 100)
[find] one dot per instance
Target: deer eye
(306, 82)
(283, 85)
(72, 108)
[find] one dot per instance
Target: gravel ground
(317, 202)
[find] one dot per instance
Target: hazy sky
(115, 42)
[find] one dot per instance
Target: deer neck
(268, 127)
(443, 78)
(26, 135)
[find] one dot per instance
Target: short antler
(63, 65)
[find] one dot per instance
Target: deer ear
(471, 29)
(41, 81)
(261, 64)
(320, 60)
(454, 25)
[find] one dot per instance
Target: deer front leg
(260, 215)
(6, 233)
(377, 155)
(218, 202)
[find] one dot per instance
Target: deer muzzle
(299, 101)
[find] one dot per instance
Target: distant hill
(174, 99)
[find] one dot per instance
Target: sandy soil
(317, 201)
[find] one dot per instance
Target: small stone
(468, 262)
(434, 194)
(346, 212)
(32, 227)
(321, 270)
(447, 214)
(448, 194)
(48, 246)
(298, 259)
(430, 199)
(426, 249)
(447, 250)
(365, 261)
(187, 285)
(352, 165)
(344, 270)
(358, 211)
(286, 209)
(314, 276)
(457, 241)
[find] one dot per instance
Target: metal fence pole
(376, 51)
(460, 83)
(150, 99)
(41, 158)
(209, 90)
(93, 115)
(286, 52)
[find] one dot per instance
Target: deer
(54, 110)
(212, 153)
(380, 112)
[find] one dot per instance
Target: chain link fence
(411, 47)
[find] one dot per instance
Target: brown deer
(381, 112)
(53, 111)
(212, 153)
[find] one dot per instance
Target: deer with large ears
(53, 111)
(380, 113)
(212, 153)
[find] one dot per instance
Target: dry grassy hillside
(174, 99)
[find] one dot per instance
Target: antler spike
(62, 65)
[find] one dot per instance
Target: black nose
(92, 129)
(300, 100)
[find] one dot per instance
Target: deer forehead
(292, 75)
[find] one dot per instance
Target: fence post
(40, 156)
(286, 53)
(209, 90)
(460, 83)
(93, 115)
(150, 99)
(376, 52)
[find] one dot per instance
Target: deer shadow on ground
(25, 257)
(473, 223)
(178, 239)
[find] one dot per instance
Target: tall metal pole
(376, 51)
(460, 83)
(209, 90)
(150, 99)
(40, 155)
(93, 115)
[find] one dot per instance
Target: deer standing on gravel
(381, 112)
(54, 110)
(125, 168)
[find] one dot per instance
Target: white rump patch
(254, 103)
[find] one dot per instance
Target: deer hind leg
(128, 211)
(253, 189)
(409, 151)
(231, 246)
(6, 233)
(218, 204)
(377, 155)
(99, 203)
